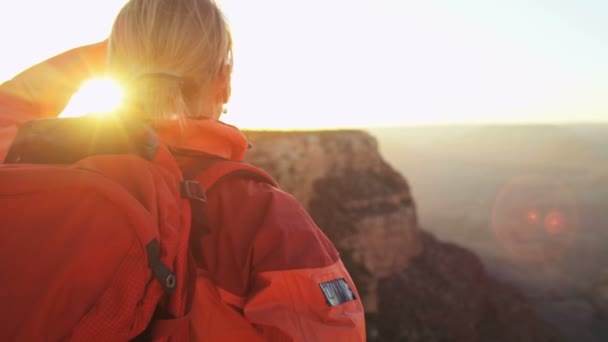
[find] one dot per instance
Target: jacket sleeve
(297, 287)
(45, 89)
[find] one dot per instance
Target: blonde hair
(166, 52)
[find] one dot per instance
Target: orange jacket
(266, 272)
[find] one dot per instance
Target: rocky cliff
(414, 287)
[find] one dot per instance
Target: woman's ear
(211, 100)
(224, 84)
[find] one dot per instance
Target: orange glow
(532, 216)
(554, 223)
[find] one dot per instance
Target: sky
(355, 63)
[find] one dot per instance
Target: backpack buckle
(161, 271)
(193, 190)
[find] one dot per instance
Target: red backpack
(95, 223)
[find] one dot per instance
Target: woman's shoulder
(274, 223)
(252, 190)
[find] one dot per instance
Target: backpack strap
(210, 171)
(219, 170)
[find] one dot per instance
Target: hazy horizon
(372, 127)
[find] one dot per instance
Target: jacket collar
(205, 135)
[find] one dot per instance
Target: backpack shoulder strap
(219, 170)
(211, 171)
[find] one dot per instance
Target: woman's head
(173, 56)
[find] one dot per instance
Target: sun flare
(95, 96)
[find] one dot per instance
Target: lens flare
(532, 216)
(95, 96)
(535, 218)
(554, 223)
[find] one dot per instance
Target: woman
(265, 271)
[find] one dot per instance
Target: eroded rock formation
(360, 202)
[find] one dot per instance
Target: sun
(95, 96)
